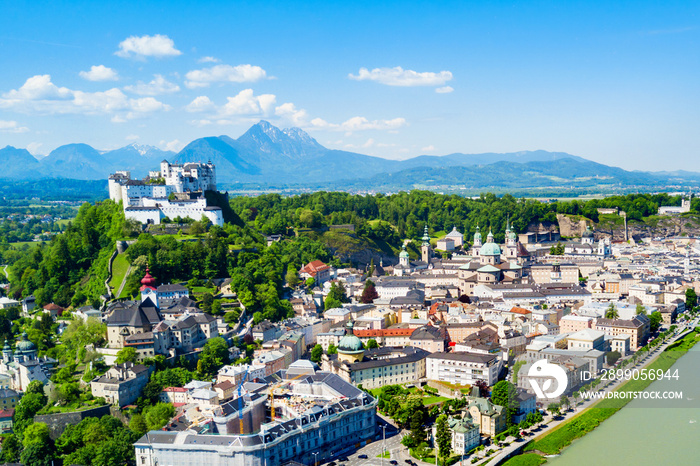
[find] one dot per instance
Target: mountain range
(266, 155)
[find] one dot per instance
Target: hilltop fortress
(177, 190)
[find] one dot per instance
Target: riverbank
(555, 441)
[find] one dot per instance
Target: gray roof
(465, 357)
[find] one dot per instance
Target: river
(643, 434)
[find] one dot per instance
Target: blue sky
(615, 82)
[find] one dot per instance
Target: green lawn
(528, 459)
(119, 268)
(27, 243)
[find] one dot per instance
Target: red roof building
(316, 270)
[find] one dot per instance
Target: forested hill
(72, 267)
(407, 213)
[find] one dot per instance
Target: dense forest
(409, 212)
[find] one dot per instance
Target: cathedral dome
(349, 343)
(490, 249)
(403, 254)
(588, 233)
(25, 345)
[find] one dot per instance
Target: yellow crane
(272, 395)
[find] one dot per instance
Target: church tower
(403, 256)
(477, 242)
(511, 242)
(425, 247)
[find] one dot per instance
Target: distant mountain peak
(299, 135)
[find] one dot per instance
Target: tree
(655, 320)
(505, 394)
(310, 282)
(214, 355)
(417, 432)
(640, 309)
(369, 294)
(372, 344)
(612, 357)
(36, 433)
(557, 250)
(159, 415)
(127, 354)
(138, 425)
(483, 388)
(316, 353)
(38, 454)
(332, 349)
(292, 278)
(337, 292)
(565, 401)
(331, 303)
(197, 229)
(691, 299)
(11, 449)
(553, 409)
(35, 386)
(443, 437)
(611, 312)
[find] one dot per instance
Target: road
(393, 443)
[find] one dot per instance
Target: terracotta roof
(384, 332)
(520, 310)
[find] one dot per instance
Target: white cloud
(359, 124)
(37, 87)
(444, 90)
(245, 103)
(175, 145)
(200, 123)
(200, 104)
(399, 77)
(33, 148)
(298, 117)
(133, 137)
(99, 73)
(224, 73)
(12, 127)
(208, 60)
(40, 95)
(430, 148)
(159, 85)
(147, 46)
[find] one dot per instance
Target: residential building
(463, 368)
(465, 433)
(428, 338)
(317, 270)
(490, 418)
(317, 415)
(377, 367)
(122, 384)
(637, 328)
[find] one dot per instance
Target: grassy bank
(553, 442)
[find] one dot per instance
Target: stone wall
(59, 421)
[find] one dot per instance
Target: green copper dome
(25, 345)
(510, 234)
(6, 348)
(490, 248)
(403, 253)
(477, 235)
(349, 343)
(588, 233)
